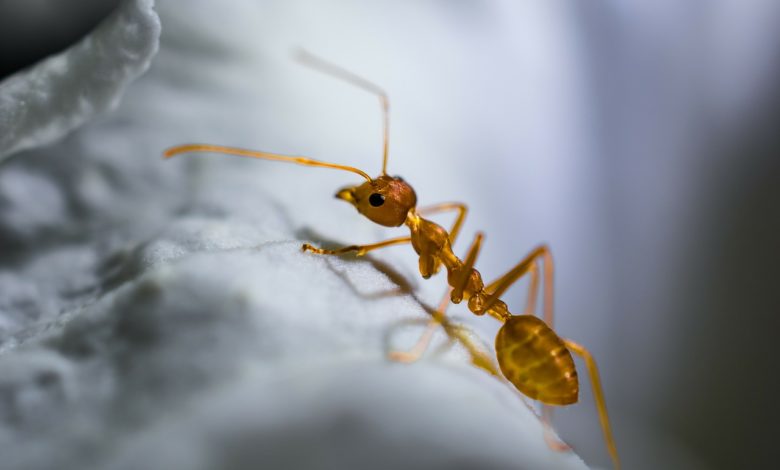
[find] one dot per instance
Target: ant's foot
(403, 356)
(555, 443)
(358, 250)
(313, 249)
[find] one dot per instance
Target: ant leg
(552, 441)
(527, 265)
(455, 229)
(359, 250)
(459, 333)
(465, 272)
(454, 332)
(479, 357)
(448, 206)
(533, 289)
(422, 344)
(598, 395)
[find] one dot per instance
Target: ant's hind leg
(422, 344)
(553, 441)
(479, 357)
(359, 250)
(455, 333)
(598, 395)
(528, 265)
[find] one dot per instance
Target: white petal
(61, 93)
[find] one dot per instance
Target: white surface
(59, 94)
(161, 315)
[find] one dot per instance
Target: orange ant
(530, 354)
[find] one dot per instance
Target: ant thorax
(432, 244)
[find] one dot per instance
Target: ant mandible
(530, 354)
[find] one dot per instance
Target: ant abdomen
(536, 361)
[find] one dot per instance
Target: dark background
(31, 30)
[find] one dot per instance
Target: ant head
(385, 200)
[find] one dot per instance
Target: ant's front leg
(359, 250)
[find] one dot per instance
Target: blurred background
(638, 139)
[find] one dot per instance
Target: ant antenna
(191, 148)
(321, 65)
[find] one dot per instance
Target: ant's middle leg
(448, 206)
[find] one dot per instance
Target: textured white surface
(57, 95)
(160, 315)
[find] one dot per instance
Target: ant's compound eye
(376, 199)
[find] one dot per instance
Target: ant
(530, 354)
